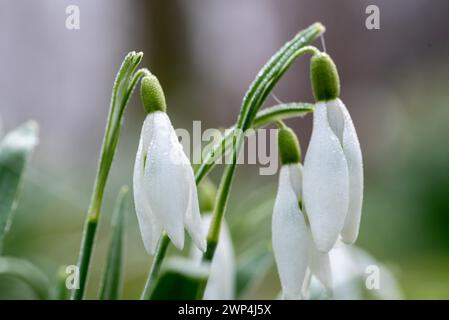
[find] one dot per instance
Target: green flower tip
(324, 77)
(152, 95)
(319, 26)
(206, 195)
(288, 145)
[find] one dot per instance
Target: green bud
(152, 95)
(288, 145)
(206, 195)
(324, 77)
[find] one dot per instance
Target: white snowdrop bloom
(294, 249)
(221, 282)
(350, 268)
(353, 266)
(165, 193)
(333, 169)
(289, 234)
(319, 264)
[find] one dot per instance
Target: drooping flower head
(165, 193)
(333, 170)
(351, 268)
(294, 250)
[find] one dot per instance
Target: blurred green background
(206, 53)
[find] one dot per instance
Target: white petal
(350, 264)
(289, 236)
(193, 217)
(351, 149)
(325, 182)
(150, 229)
(305, 291)
(221, 282)
(319, 264)
(296, 178)
(165, 181)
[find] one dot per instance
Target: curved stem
(245, 121)
(251, 105)
(124, 85)
(253, 100)
(262, 119)
(156, 266)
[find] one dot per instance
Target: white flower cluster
(319, 203)
(322, 202)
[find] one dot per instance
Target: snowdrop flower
(221, 282)
(294, 250)
(333, 170)
(165, 193)
(350, 268)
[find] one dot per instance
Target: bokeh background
(206, 53)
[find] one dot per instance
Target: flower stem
(263, 118)
(156, 266)
(87, 244)
(124, 85)
(253, 100)
(245, 121)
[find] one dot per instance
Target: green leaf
(263, 118)
(111, 286)
(281, 112)
(261, 87)
(26, 272)
(272, 71)
(252, 268)
(253, 100)
(124, 85)
(15, 149)
(180, 279)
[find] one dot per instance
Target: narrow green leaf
(124, 85)
(15, 149)
(180, 279)
(252, 102)
(156, 264)
(270, 74)
(263, 118)
(281, 112)
(262, 85)
(252, 268)
(26, 272)
(111, 286)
